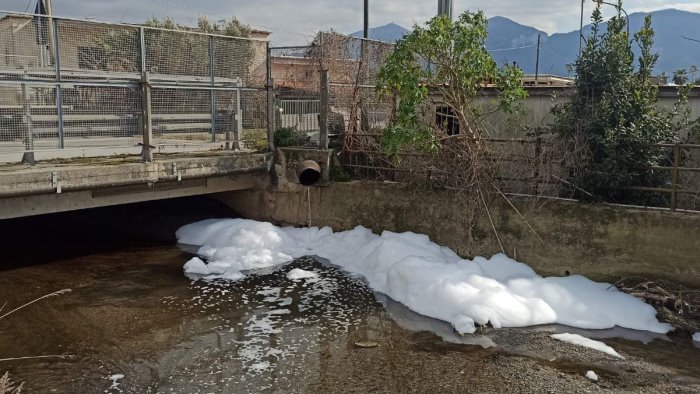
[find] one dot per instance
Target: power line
(511, 49)
(690, 39)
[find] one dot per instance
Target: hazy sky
(295, 21)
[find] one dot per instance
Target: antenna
(445, 8)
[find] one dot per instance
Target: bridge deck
(70, 184)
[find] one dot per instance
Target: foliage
(7, 386)
(170, 52)
(289, 136)
(612, 122)
(339, 174)
(680, 77)
(231, 27)
(255, 139)
(450, 59)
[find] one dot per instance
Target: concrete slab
(60, 185)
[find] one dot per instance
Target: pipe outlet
(308, 172)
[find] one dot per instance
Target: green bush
(612, 122)
(288, 136)
(255, 139)
(338, 174)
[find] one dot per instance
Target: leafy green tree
(612, 121)
(449, 59)
(171, 52)
(680, 77)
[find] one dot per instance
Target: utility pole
(445, 8)
(366, 30)
(50, 29)
(537, 64)
(580, 31)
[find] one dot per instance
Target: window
(446, 120)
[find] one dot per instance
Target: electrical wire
(512, 49)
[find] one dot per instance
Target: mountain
(670, 25)
(390, 33)
(511, 42)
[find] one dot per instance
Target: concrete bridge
(73, 184)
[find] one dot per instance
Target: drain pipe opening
(308, 172)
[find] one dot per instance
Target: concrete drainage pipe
(308, 172)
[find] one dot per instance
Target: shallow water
(133, 313)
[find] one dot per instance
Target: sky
(295, 21)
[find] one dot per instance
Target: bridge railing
(82, 88)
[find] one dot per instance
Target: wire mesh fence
(354, 106)
(101, 116)
(296, 72)
(74, 84)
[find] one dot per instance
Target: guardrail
(69, 84)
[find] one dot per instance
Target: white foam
(696, 337)
(429, 279)
(299, 274)
(115, 382)
(578, 340)
(592, 376)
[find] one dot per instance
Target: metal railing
(684, 188)
(526, 167)
(75, 87)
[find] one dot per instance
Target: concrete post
(323, 116)
(146, 152)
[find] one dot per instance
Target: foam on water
(428, 278)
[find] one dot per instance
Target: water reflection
(133, 313)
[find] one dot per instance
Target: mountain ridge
(510, 41)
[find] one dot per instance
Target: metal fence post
(59, 94)
(146, 118)
(270, 102)
(239, 117)
(147, 150)
(212, 92)
(676, 173)
(28, 156)
(323, 115)
(538, 162)
(142, 49)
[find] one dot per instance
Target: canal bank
(554, 237)
(132, 313)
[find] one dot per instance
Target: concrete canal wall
(601, 242)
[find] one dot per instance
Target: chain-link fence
(296, 72)
(73, 85)
(353, 106)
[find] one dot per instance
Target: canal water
(133, 323)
